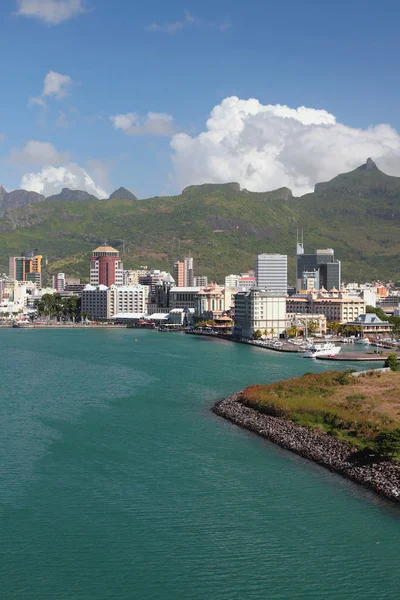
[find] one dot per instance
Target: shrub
(388, 442)
(392, 362)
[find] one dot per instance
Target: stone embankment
(383, 477)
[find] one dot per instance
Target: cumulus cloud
(159, 124)
(265, 147)
(51, 12)
(51, 180)
(55, 85)
(188, 20)
(38, 154)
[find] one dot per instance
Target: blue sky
(182, 59)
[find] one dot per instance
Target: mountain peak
(72, 195)
(122, 194)
(368, 166)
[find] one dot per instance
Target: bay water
(117, 481)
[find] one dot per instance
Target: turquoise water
(117, 482)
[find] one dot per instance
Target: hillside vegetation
(358, 214)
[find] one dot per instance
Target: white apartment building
(232, 281)
(127, 299)
(259, 309)
(271, 272)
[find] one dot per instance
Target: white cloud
(188, 20)
(57, 85)
(159, 124)
(39, 154)
(264, 147)
(51, 12)
(51, 180)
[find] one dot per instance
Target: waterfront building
(127, 299)
(183, 297)
(335, 305)
(271, 272)
(370, 324)
(26, 267)
(322, 262)
(259, 309)
(59, 282)
(213, 301)
(95, 302)
(106, 267)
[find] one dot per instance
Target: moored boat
(327, 349)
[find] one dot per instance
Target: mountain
(122, 194)
(67, 195)
(18, 198)
(222, 226)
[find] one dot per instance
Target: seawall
(382, 477)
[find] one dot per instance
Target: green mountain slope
(358, 214)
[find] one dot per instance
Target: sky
(155, 96)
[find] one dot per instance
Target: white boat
(327, 349)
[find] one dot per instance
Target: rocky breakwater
(381, 476)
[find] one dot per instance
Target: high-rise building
(59, 282)
(189, 273)
(183, 272)
(323, 263)
(27, 267)
(179, 273)
(271, 272)
(106, 267)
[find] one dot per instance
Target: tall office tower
(271, 272)
(59, 282)
(27, 267)
(179, 273)
(106, 267)
(322, 261)
(189, 274)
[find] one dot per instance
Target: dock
(357, 357)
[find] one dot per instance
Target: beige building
(259, 309)
(300, 320)
(213, 301)
(335, 306)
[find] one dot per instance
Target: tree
(387, 443)
(292, 331)
(257, 334)
(392, 362)
(333, 326)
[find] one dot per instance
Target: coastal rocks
(383, 477)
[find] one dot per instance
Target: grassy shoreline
(352, 409)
